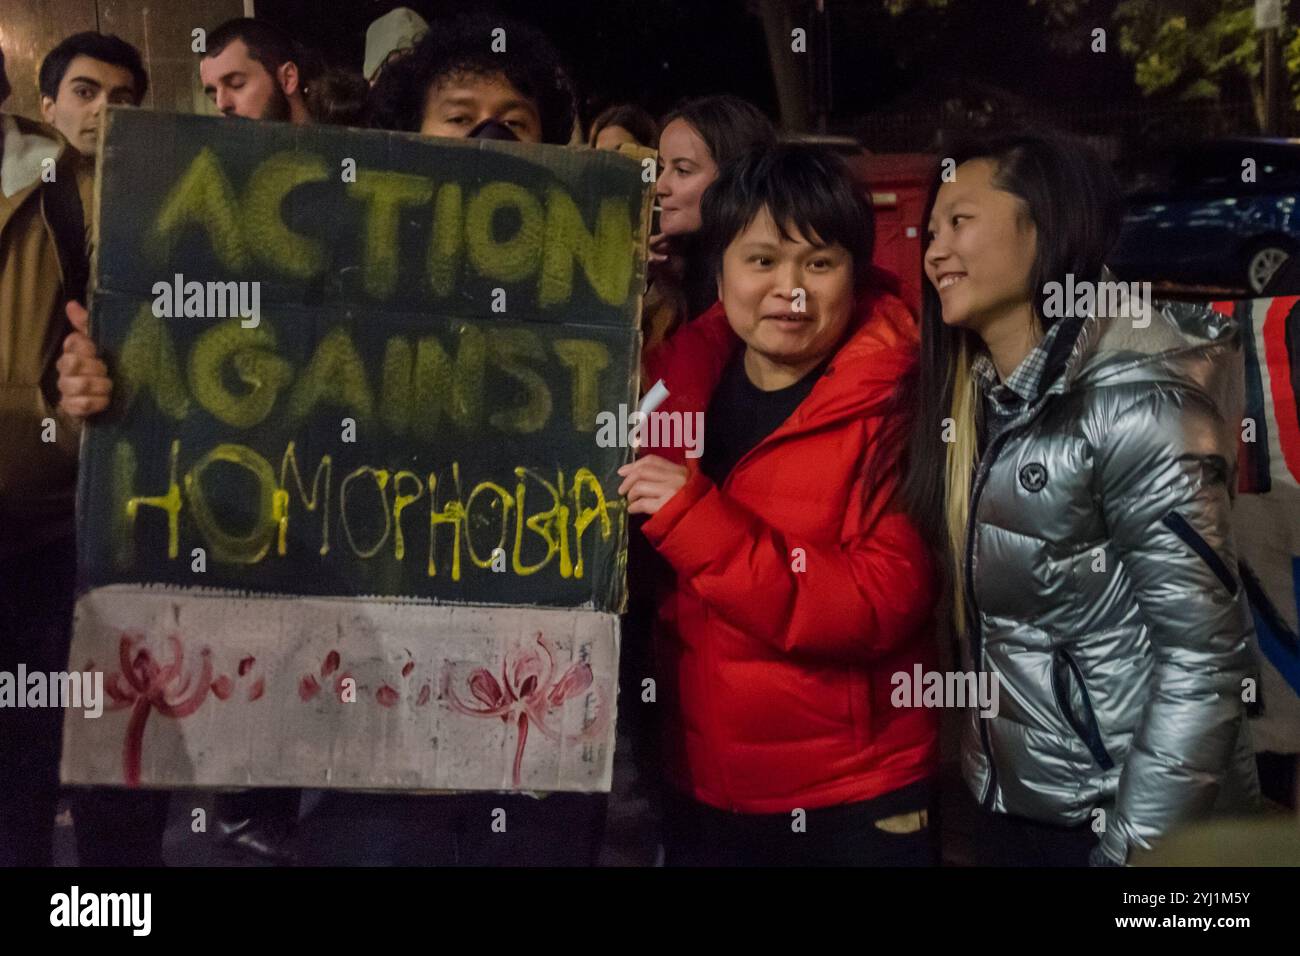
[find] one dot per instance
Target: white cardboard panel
(411, 663)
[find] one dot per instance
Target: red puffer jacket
(778, 662)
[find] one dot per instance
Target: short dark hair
(805, 188)
(339, 98)
(267, 44)
(632, 118)
(105, 47)
(729, 126)
(460, 46)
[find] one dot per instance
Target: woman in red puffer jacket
(798, 588)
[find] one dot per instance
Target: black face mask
(491, 129)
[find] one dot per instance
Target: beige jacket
(37, 477)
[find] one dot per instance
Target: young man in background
(42, 265)
(254, 70)
(83, 75)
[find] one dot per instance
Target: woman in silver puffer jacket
(1074, 456)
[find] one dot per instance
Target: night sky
(657, 51)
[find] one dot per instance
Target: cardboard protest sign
(1266, 520)
(334, 693)
(356, 378)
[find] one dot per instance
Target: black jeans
(116, 827)
(1277, 776)
(402, 829)
(850, 834)
(1016, 841)
(36, 590)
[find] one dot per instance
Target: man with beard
(252, 69)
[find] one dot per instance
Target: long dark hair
(1073, 200)
(632, 118)
(729, 126)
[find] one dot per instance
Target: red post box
(896, 184)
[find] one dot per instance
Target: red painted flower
(151, 685)
(527, 694)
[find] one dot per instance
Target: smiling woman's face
(981, 248)
(688, 170)
(761, 272)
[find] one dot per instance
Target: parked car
(1223, 212)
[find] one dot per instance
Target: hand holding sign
(649, 482)
(464, 513)
(83, 377)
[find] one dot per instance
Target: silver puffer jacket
(1102, 586)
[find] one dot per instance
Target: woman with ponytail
(1073, 464)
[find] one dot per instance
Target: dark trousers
(1277, 777)
(36, 591)
(278, 802)
(113, 827)
(274, 809)
(850, 834)
(119, 828)
(1007, 840)
(369, 829)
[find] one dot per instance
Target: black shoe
(266, 842)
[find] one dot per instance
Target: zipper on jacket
(1087, 728)
(1066, 341)
(982, 472)
(1191, 537)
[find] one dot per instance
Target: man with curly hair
(495, 78)
(475, 75)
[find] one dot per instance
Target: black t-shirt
(741, 415)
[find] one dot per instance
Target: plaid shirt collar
(1022, 386)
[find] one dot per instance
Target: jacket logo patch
(1033, 476)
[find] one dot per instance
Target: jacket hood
(879, 348)
(27, 144)
(1178, 343)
